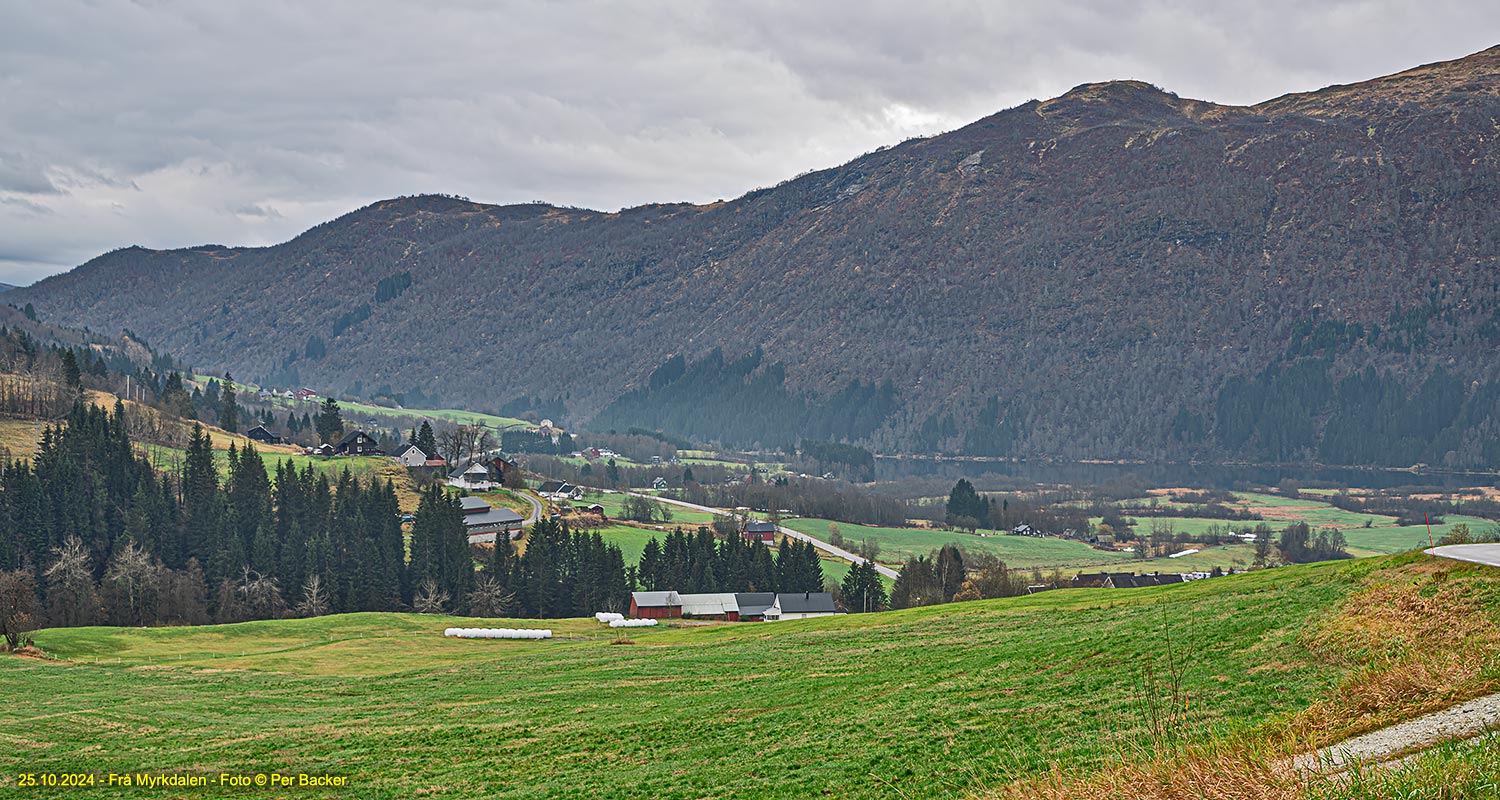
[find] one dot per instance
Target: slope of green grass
(614, 505)
(631, 541)
(898, 544)
(935, 702)
(362, 467)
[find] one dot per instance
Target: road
(836, 552)
(1386, 746)
(1488, 554)
(536, 508)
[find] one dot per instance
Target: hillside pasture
(938, 702)
(1027, 552)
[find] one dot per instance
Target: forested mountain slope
(1114, 272)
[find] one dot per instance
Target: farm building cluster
(732, 606)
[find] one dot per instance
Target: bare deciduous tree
(462, 444)
(489, 598)
(134, 580)
(314, 597)
(17, 606)
(71, 594)
(259, 595)
(430, 599)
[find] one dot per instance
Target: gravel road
(1460, 722)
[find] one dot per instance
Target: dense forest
(1116, 272)
(91, 534)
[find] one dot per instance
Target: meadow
(614, 507)
(898, 544)
(937, 702)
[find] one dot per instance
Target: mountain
(1117, 272)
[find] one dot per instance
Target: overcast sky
(170, 124)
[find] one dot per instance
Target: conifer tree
(229, 407)
(330, 422)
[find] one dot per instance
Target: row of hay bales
(497, 633)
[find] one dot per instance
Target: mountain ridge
(1027, 284)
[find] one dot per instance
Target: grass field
(355, 413)
(939, 702)
(18, 437)
(631, 541)
(897, 544)
(614, 505)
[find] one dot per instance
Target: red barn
(655, 605)
(757, 531)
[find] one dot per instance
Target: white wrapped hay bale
(632, 623)
(498, 633)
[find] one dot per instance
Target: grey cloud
(174, 123)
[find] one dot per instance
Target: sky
(172, 124)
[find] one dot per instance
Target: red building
(757, 531)
(655, 605)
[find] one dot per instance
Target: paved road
(1477, 553)
(836, 552)
(536, 508)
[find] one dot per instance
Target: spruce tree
(426, 440)
(229, 408)
(330, 422)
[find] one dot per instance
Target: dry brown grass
(1416, 636)
(1206, 774)
(1414, 640)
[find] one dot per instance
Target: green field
(359, 466)
(614, 505)
(631, 541)
(355, 413)
(898, 544)
(940, 702)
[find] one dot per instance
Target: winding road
(836, 552)
(536, 507)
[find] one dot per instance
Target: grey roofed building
(806, 603)
(484, 522)
(472, 504)
(656, 598)
(550, 487)
(711, 604)
(493, 516)
(754, 604)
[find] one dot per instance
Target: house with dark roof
(801, 605)
(655, 605)
(357, 443)
(485, 523)
(261, 434)
(754, 605)
(475, 477)
(560, 490)
(759, 531)
(409, 455)
(1131, 581)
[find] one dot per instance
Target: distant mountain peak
(1116, 272)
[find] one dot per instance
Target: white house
(559, 490)
(801, 605)
(475, 477)
(409, 455)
